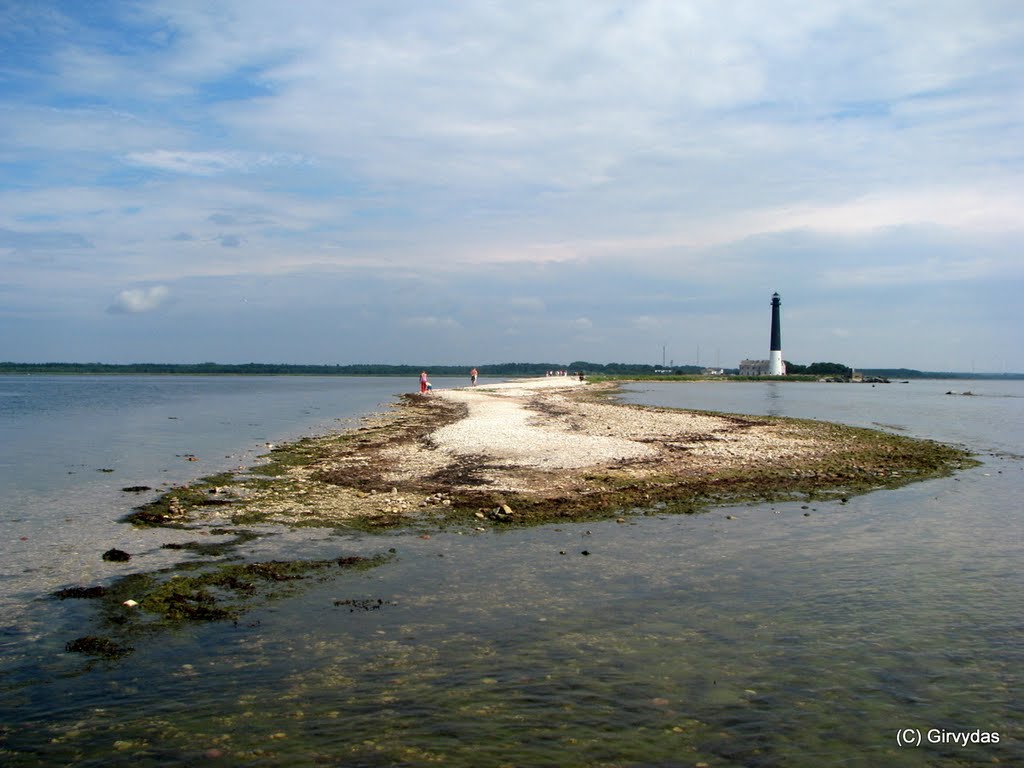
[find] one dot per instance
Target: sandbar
(547, 449)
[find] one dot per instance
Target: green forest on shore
(614, 370)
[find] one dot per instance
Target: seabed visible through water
(803, 633)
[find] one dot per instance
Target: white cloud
(208, 163)
(137, 300)
(646, 323)
(959, 208)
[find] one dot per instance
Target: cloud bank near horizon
(475, 182)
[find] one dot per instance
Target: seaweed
(103, 647)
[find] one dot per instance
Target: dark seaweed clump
(226, 591)
(85, 593)
(138, 604)
(103, 647)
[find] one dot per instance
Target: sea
(884, 630)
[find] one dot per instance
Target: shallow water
(791, 634)
(989, 418)
(69, 444)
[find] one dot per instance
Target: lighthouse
(775, 365)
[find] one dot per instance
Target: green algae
(300, 453)
(216, 548)
(141, 605)
(174, 508)
(225, 591)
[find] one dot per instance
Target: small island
(541, 450)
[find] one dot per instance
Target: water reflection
(773, 399)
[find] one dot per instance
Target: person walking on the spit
(423, 383)
(472, 377)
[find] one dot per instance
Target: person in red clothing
(423, 383)
(472, 377)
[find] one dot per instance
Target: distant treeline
(910, 373)
(819, 369)
(497, 369)
(259, 369)
(360, 369)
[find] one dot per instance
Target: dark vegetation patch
(103, 647)
(138, 605)
(80, 593)
(283, 457)
(174, 508)
(464, 471)
(226, 591)
(215, 548)
(420, 416)
(361, 604)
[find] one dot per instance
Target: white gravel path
(501, 426)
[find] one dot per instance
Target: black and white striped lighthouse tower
(776, 367)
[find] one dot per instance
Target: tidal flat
(551, 454)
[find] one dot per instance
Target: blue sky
(479, 182)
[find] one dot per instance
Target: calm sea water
(69, 444)
(765, 635)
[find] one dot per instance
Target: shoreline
(530, 451)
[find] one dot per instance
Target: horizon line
(12, 363)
